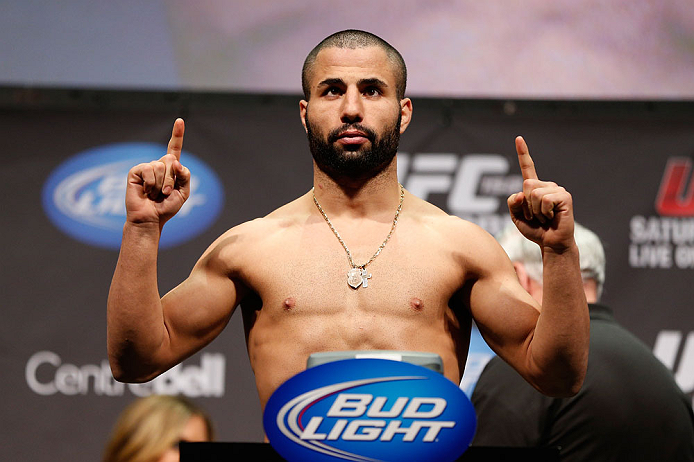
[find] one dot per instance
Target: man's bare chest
(310, 273)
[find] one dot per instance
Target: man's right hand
(157, 190)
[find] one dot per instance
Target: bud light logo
(85, 196)
(369, 410)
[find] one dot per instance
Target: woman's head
(149, 429)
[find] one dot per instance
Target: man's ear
(303, 106)
(405, 113)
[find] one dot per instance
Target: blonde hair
(149, 426)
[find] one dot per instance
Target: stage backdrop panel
(627, 164)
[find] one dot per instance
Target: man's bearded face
(353, 161)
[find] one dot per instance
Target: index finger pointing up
(526, 163)
(176, 141)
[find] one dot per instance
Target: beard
(354, 162)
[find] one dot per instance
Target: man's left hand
(543, 211)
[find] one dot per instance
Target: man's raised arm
(148, 334)
(548, 345)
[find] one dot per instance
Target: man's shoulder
(286, 216)
(425, 210)
(298, 206)
(291, 212)
(428, 214)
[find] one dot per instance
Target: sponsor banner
(666, 241)
(368, 410)
(627, 165)
(676, 351)
(47, 374)
(475, 185)
(85, 196)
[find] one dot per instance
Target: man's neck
(357, 197)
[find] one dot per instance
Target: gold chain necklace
(358, 275)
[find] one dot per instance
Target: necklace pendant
(365, 278)
(358, 277)
(354, 278)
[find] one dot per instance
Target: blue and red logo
(369, 410)
(85, 196)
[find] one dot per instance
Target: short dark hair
(353, 39)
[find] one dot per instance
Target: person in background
(150, 430)
(629, 408)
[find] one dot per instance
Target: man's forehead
(367, 62)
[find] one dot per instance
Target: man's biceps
(494, 292)
(505, 323)
(217, 292)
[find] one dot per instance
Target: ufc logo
(674, 198)
(475, 183)
(667, 345)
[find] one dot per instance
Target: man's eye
(372, 91)
(332, 91)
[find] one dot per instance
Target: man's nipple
(416, 304)
(288, 303)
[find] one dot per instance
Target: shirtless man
(426, 274)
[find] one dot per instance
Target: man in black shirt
(629, 408)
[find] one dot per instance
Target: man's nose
(352, 107)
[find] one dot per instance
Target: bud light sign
(369, 410)
(85, 196)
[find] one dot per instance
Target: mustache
(334, 134)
